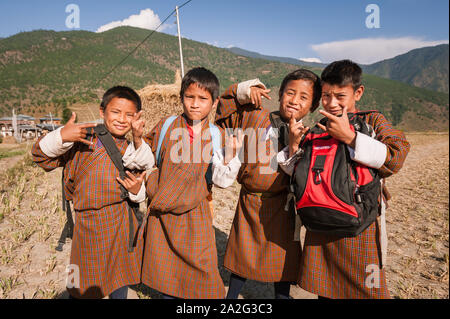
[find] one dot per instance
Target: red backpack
(333, 193)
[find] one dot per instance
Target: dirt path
(31, 221)
(417, 221)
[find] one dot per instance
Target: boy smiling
(100, 243)
(261, 244)
(334, 266)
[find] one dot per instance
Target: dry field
(418, 260)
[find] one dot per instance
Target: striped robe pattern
(261, 244)
(350, 268)
(100, 238)
(180, 255)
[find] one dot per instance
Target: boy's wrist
(292, 150)
(351, 140)
(137, 141)
(243, 90)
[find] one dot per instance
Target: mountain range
(42, 71)
(424, 67)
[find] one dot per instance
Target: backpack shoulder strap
(277, 123)
(164, 129)
(275, 119)
(359, 122)
(110, 147)
(216, 137)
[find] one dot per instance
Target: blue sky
(325, 30)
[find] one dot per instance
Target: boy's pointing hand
(296, 132)
(72, 132)
(339, 127)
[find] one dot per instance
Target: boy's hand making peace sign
(137, 127)
(72, 132)
(257, 93)
(339, 127)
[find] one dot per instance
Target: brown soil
(31, 221)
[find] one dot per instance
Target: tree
(66, 114)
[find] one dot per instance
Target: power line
(138, 46)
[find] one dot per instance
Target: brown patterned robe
(180, 255)
(100, 238)
(335, 267)
(261, 245)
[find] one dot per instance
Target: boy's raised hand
(131, 182)
(72, 132)
(296, 132)
(257, 93)
(137, 127)
(339, 127)
(233, 145)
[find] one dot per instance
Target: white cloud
(214, 44)
(370, 50)
(146, 19)
(314, 60)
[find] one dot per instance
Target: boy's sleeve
(141, 158)
(232, 103)
(287, 163)
(368, 151)
(49, 152)
(52, 144)
(224, 175)
(395, 141)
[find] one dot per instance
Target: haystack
(159, 101)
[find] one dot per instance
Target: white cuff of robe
(140, 159)
(287, 163)
(52, 144)
(140, 196)
(368, 151)
(223, 175)
(243, 90)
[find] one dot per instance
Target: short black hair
(122, 92)
(204, 79)
(307, 75)
(343, 72)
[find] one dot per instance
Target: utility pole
(14, 126)
(51, 121)
(179, 41)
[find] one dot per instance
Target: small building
(29, 131)
(48, 119)
(46, 127)
(6, 124)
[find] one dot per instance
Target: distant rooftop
(50, 118)
(48, 127)
(20, 117)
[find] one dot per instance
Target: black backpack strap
(67, 231)
(111, 148)
(283, 130)
(113, 152)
